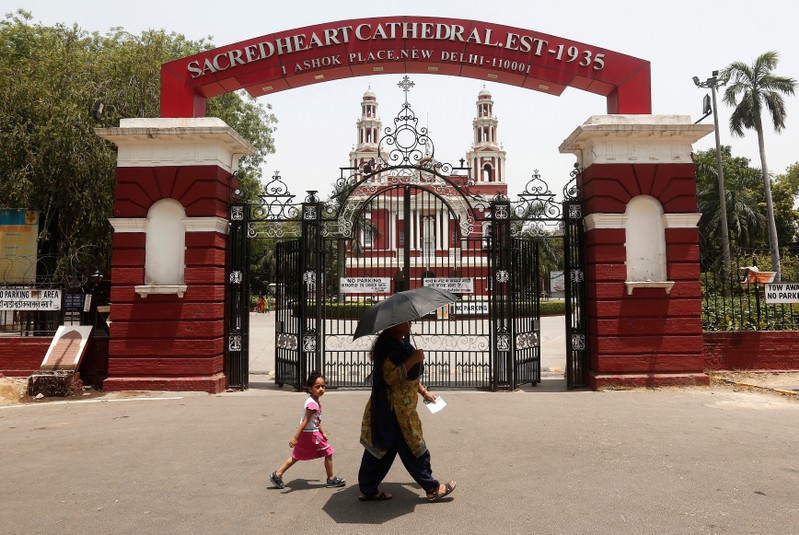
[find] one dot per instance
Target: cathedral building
(416, 222)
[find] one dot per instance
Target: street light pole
(713, 83)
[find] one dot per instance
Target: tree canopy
(746, 205)
(59, 83)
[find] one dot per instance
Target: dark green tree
(746, 220)
(785, 193)
(752, 90)
(57, 84)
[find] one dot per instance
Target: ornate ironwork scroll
(273, 213)
(405, 156)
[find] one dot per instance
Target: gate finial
(406, 84)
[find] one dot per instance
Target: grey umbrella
(401, 307)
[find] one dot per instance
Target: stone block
(54, 384)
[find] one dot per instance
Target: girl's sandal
(437, 494)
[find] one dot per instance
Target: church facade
(443, 242)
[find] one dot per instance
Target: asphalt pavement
(717, 459)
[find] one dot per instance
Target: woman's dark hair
(380, 337)
(312, 377)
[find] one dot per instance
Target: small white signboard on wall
(471, 307)
(364, 285)
(787, 292)
(30, 299)
(456, 285)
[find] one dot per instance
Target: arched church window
(367, 234)
(488, 172)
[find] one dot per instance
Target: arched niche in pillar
(645, 231)
(165, 249)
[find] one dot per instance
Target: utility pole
(713, 83)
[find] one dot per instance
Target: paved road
(539, 460)
(681, 461)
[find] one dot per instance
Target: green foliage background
(746, 208)
(57, 84)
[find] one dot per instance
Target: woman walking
(391, 424)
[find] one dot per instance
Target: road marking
(49, 403)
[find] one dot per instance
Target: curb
(724, 380)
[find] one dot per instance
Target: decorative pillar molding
(171, 336)
(640, 332)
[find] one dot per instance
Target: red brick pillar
(173, 189)
(643, 299)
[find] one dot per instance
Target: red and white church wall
(642, 249)
(174, 181)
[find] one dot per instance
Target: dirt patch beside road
(13, 390)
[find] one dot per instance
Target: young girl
(310, 440)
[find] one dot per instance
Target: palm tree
(757, 88)
(745, 220)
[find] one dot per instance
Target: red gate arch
(389, 45)
(170, 332)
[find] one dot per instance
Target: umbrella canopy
(401, 307)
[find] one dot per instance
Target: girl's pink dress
(312, 444)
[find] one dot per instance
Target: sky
(316, 128)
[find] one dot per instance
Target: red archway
(388, 45)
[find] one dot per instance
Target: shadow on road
(343, 507)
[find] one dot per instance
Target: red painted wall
(22, 355)
(203, 190)
(607, 188)
(648, 337)
(166, 341)
(766, 350)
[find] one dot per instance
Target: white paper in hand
(436, 405)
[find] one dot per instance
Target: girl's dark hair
(312, 377)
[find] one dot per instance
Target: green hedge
(553, 308)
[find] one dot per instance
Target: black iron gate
(396, 236)
(526, 313)
(237, 368)
(289, 366)
(574, 279)
(400, 222)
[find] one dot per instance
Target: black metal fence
(76, 308)
(34, 302)
(734, 299)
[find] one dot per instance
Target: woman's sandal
(437, 494)
(379, 497)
